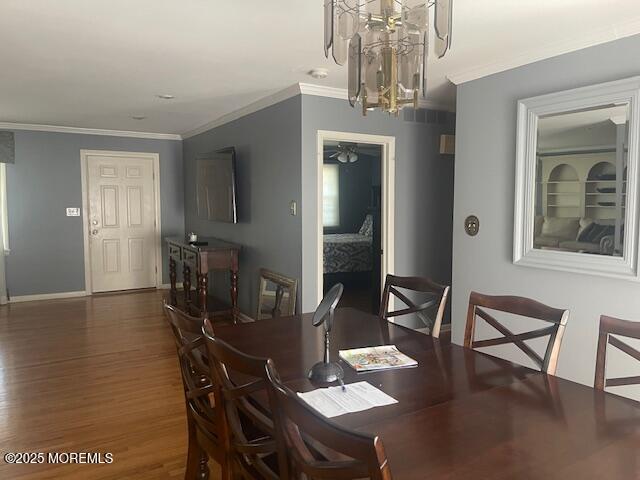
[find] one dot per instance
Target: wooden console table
(215, 255)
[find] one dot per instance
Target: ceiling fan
(345, 152)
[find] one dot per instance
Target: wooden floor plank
(93, 374)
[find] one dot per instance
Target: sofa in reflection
(574, 235)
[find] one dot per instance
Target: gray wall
(424, 188)
(46, 246)
(485, 172)
(267, 146)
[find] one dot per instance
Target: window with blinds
(331, 195)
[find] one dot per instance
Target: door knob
(94, 222)
(94, 232)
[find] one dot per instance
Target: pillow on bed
(367, 227)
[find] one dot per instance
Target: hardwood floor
(94, 374)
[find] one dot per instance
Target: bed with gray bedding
(349, 252)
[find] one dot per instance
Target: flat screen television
(216, 186)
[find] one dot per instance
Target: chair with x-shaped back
(429, 312)
(311, 446)
(609, 327)
(248, 428)
(203, 409)
(525, 307)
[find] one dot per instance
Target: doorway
(121, 219)
(355, 211)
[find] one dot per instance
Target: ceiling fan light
(343, 157)
(353, 157)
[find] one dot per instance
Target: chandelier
(385, 43)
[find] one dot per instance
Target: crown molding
(289, 92)
(323, 91)
(264, 102)
(87, 131)
(342, 94)
(596, 37)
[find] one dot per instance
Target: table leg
(234, 295)
(186, 283)
(203, 287)
(173, 297)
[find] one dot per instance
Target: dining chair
(203, 415)
(610, 326)
(614, 425)
(525, 307)
(277, 295)
(425, 311)
(249, 431)
(302, 433)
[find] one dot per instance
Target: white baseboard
(244, 318)
(46, 296)
(55, 296)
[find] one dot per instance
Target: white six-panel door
(122, 221)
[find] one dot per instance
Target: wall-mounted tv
(216, 186)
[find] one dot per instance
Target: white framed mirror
(576, 180)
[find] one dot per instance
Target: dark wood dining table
(461, 414)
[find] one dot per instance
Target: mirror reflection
(581, 179)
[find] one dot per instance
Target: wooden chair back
(609, 327)
(203, 414)
(424, 311)
(277, 295)
(524, 307)
(249, 431)
(298, 426)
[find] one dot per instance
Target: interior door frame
(388, 170)
(84, 169)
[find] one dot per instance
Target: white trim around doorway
(388, 145)
(155, 159)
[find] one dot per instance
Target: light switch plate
(293, 208)
(73, 212)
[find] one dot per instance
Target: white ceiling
(95, 63)
(581, 128)
(560, 123)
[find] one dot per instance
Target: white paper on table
(356, 397)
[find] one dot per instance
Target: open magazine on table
(376, 358)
